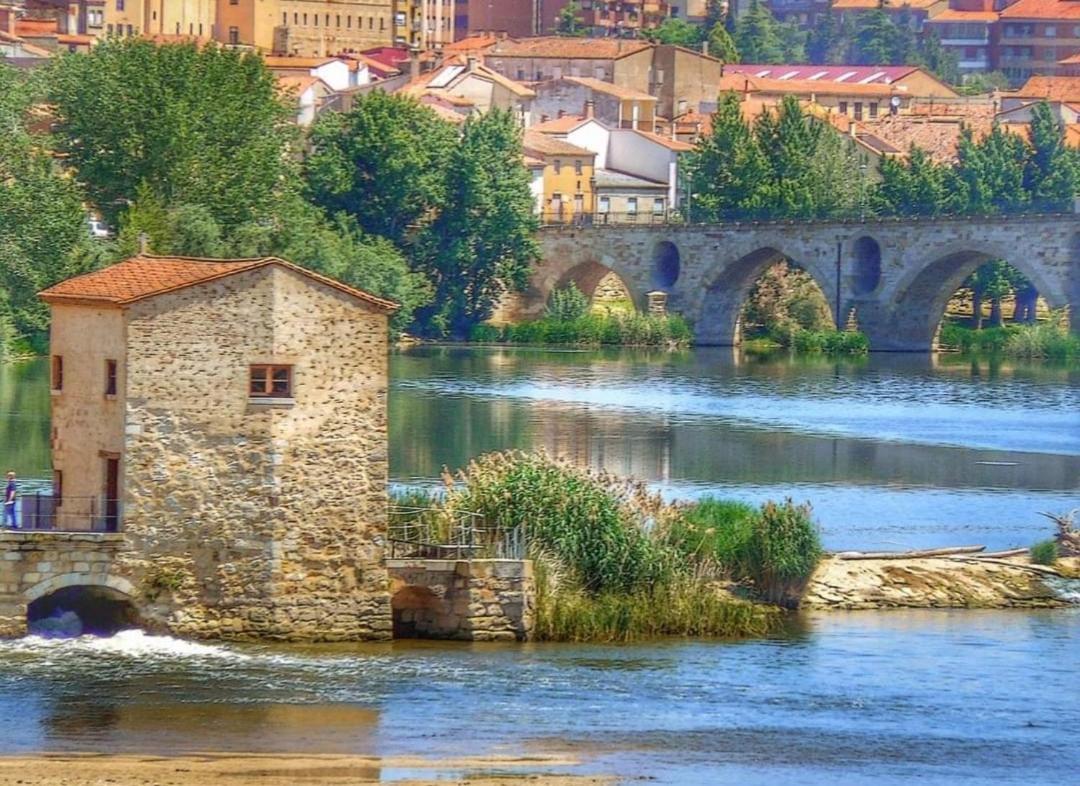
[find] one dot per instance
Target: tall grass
(615, 562)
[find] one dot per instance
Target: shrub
(567, 304)
(607, 328)
(1044, 552)
(485, 334)
(592, 523)
(714, 534)
(783, 551)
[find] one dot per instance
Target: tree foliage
(383, 163)
(196, 125)
(42, 223)
(481, 244)
(569, 22)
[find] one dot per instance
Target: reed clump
(616, 563)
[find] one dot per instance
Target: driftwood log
(942, 552)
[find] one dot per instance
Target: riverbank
(284, 770)
(958, 581)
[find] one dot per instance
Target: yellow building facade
(569, 178)
(307, 28)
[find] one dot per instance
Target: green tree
(790, 139)
(792, 42)
(990, 172)
(482, 243)
(677, 32)
(384, 163)
(940, 61)
(825, 39)
(978, 84)
(721, 44)
(197, 125)
(727, 168)
(569, 22)
(1051, 176)
(916, 186)
(42, 223)
(756, 37)
(875, 38)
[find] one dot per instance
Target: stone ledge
(53, 537)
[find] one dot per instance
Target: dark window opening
(57, 372)
(110, 377)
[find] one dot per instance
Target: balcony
(43, 512)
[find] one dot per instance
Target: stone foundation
(477, 600)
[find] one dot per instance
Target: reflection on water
(945, 697)
(892, 450)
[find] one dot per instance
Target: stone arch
(921, 299)
(718, 322)
(105, 581)
(666, 266)
(587, 277)
(76, 603)
(417, 612)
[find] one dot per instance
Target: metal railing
(41, 511)
(433, 533)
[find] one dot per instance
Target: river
(891, 450)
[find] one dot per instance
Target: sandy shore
(267, 770)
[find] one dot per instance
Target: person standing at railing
(11, 497)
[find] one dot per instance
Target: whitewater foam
(126, 643)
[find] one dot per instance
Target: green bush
(485, 334)
(1044, 552)
(783, 551)
(585, 521)
(567, 304)
(714, 534)
(832, 342)
(1047, 340)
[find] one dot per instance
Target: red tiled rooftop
(146, 276)
(1042, 9)
(1052, 88)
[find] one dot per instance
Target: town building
(617, 106)
(519, 18)
(966, 30)
(567, 175)
(228, 417)
(424, 24)
(305, 27)
(1034, 36)
(193, 18)
(468, 87)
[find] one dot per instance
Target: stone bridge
(896, 276)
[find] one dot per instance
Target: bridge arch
(718, 323)
(76, 603)
(865, 276)
(922, 296)
(587, 277)
(666, 265)
(417, 612)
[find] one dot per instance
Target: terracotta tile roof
(555, 48)
(609, 88)
(36, 27)
(938, 136)
(474, 43)
(304, 63)
(890, 5)
(560, 125)
(1052, 88)
(955, 15)
(299, 83)
(147, 276)
(546, 145)
(670, 144)
(1042, 9)
(1072, 60)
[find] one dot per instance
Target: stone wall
(896, 276)
(34, 564)
(258, 519)
(473, 600)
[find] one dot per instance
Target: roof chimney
(705, 47)
(414, 63)
(590, 109)
(562, 113)
(470, 62)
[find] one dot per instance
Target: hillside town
(610, 110)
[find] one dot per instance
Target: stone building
(228, 420)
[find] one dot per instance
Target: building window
(119, 5)
(234, 35)
(558, 167)
(631, 206)
(873, 109)
(577, 167)
(58, 487)
(270, 381)
(110, 377)
(1050, 31)
(658, 207)
(57, 372)
(843, 107)
(605, 204)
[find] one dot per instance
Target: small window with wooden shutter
(269, 381)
